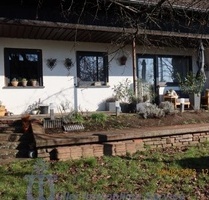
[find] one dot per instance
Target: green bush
(191, 83)
(167, 107)
(74, 117)
(151, 111)
(99, 117)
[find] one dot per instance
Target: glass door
(146, 78)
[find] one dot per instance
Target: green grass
(152, 172)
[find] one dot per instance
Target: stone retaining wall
(122, 147)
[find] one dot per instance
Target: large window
(23, 63)
(92, 67)
(169, 66)
(163, 68)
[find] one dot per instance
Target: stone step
(8, 153)
(14, 137)
(13, 153)
(14, 145)
(11, 137)
(8, 126)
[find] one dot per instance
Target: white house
(27, 45)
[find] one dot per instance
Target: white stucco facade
(59, 83)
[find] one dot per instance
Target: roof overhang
(45, 30)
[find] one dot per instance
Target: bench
(176, 101)
(205, 99)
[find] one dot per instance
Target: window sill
(21, 87)
(86, 84)
(92, 86)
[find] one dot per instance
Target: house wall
(59, 83)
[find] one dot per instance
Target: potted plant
(24, 82)
(33, 82)
(123, 60)
(124, 93)
(192, 85)
(35, 111)
(68, 63)
(14, 82)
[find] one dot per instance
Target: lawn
(168, 173)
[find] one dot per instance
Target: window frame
(7, 66)
(105, 66)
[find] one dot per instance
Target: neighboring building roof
(201, 5)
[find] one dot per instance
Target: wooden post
(134, 67)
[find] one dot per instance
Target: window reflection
(170, 66)
(92, 67)
(145, 69)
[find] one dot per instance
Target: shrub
(167, 107)
(99, 117)
(73, 117)
(151, 111)
(123, 91)
(191, 83)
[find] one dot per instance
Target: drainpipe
(134, 66)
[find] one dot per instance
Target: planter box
(110, 106)
(44, 109)
(195, 101)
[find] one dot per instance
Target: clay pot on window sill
(14, 83)
(34, 83)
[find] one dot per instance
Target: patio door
(156, 70)
(146, 78)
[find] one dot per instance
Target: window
(23, 63)
(169, 66)
(146, 70)
(92, 67)
(163, 68)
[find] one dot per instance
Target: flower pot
(34, 112)
(44, 109)
(110, 106)
(195, 101)
(24, 83)
(2, 111)
(25, 123)
(34, 83)
(125, 108)
(14, 83)
(122, 60)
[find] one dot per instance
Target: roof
(34, 29)
(13, 26)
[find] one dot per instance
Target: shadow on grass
(199, 164)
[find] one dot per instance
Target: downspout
(134, 66)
